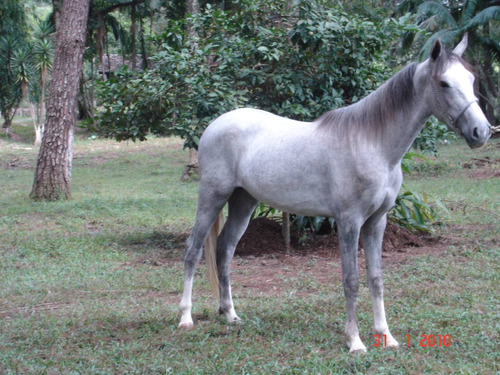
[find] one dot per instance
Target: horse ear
(460, 49)
(436, 50)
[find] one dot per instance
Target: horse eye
(444, 84)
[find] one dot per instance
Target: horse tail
(210, 250)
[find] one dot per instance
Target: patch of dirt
(483, 168)
(11, 161)
(263, 237)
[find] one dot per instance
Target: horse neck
(402, 114)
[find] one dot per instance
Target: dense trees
(298, 61)
(295, 61)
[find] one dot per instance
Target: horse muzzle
(477, 136)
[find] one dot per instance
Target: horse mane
(371, 116)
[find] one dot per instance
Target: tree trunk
(53, 170)
(39, 126)
(285, 230)
(192, 167)
(7, 124)
(85, 101)
(101, 33)
(56, 6)
(133, 36)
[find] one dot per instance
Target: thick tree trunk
(53, 170)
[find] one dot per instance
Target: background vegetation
(187, 64)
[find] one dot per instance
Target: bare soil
(263, 263)
(483, 168)
(263, 237)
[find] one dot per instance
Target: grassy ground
(91, 285)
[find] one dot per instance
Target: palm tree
(478, 18)
(10, 90)
(12, 38)
(43, 56)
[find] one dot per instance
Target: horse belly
(289, 181)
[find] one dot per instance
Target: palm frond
(434, 8)
(483, 17)
(447, 36)
(469, 10)
(43, 54)
(491, 47)
(115, 26)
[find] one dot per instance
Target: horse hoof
(392, 344)
(186, 326)
(236, 321)
(360, 350)
(355, 345)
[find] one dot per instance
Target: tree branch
(122, 5)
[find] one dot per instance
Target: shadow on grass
(152, 246)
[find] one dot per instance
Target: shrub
(297, 62)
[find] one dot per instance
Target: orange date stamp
(426, 341)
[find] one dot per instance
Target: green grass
(91, 285)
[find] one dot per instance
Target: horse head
(453, 100)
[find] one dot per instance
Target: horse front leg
(348, 243)
(372, 234)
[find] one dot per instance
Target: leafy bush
(414, 212)
(433, 133)
(298, 62)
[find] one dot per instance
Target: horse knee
(376, 284)
(351, 285)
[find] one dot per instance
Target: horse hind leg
(241, 207)
(372, 234)
(209, 206)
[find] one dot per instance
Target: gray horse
(346, 165)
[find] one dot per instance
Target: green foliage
(10, 88)
(124, 117)
(450, 21)
(414, 211)
(301, 223)
(298, 62)
(12, 41)
(433, 134)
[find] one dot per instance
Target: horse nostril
(475, 134)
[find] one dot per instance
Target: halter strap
(463, 111)
(453, 122)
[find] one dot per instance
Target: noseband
(453, 122)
